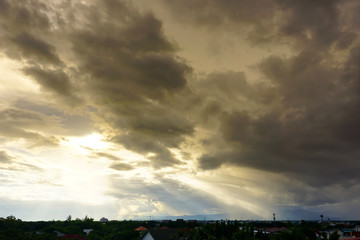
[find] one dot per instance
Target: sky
(151, 108)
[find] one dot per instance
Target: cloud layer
(109, 67)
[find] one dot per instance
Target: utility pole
(322, 220)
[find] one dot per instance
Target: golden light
(94, 141)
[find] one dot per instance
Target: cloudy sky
(131, 109)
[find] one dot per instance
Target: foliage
(334, 236)
(12, 228)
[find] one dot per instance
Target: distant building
(59, 234)
(87, 231)
(328, 232)
(273, 230)
(192, 221)
(140, 229)
(104, 220)
(159, 234)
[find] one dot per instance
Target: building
(87, 231)
(273, 230)
(159, 234)
(59, 234)
(140, 229)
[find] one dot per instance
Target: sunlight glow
(93, 141)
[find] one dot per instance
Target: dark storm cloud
(318, 24)
(234, 84)
(310, 134)
(319, 19)
(133, 59)
(125, 67)
(125, 72)
(146, 145)
(32, 47)
(55, 81)
(24, 28)
(28, 15)
(227, 87)
(315, 24)
(133, 74)
(300, 120)
(258, 19)
(221, 92)
(27, 35)
(302, 79)
(218, 13)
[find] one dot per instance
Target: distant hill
(192, 217)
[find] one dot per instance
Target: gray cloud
(32, 47)
(123, 64)
(17, 123)
(25, 27)
(15, 163)
(303, 18)
(134, 74)
(299, 119)
(61, 123)
(174, 195)
(24, 16)
(218, 13)
(56, 81)
(226, 91)
(146, 145)
(34, 139)
(106, 155)
(4, 157)
(306, 24)
(313, 124)
(122, 166)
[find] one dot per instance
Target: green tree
(334, 236)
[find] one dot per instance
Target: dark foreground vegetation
(12, 228)
(262, 231)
